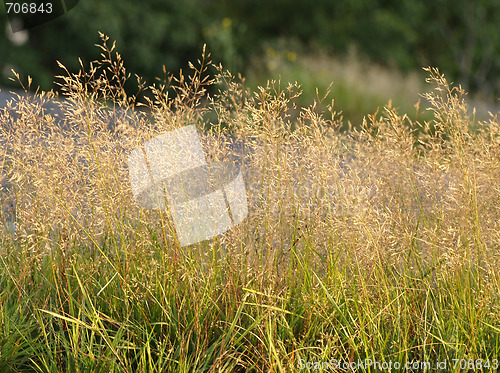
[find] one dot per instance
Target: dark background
(461, 37)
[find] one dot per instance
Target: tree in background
(462, 38)
(149, 35)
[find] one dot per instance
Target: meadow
(380, 243)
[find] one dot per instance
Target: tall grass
(357, 85)
(381, 243)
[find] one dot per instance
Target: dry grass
(357, 86)
(378, 243)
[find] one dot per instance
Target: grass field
(397, 262)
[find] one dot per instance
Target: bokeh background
(372, 50)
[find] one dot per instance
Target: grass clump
(380, 243)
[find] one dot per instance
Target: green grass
(396, 262)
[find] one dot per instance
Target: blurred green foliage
(461, 37)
